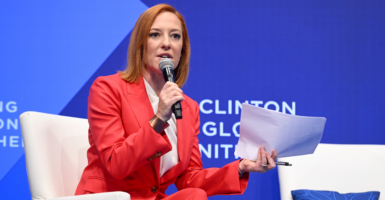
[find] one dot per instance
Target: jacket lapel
(141, 107)
(139, 102)
(184, 137)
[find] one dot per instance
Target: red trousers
(185, 194)
(188, 194)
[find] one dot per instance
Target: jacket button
(153, 189)
(159, 153)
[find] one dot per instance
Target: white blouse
(170, 159)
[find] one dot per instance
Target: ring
(263, 165)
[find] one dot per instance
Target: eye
(154, 34)
(176, 36)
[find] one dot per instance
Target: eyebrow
(157, 29)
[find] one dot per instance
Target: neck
(155, 79)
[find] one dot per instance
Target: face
(164, 41)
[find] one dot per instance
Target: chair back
(335, 167)
(55, 152)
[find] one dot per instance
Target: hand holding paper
(264, 163)
(289, 135)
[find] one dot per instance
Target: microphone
(166, 66)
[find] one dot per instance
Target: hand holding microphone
(171, 93)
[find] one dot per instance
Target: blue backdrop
(315, 58)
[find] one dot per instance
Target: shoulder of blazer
(113, 79)
(116, 83)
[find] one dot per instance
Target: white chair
(55, 152)
(335, 167)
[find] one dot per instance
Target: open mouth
(165, 56)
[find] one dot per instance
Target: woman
(142, 153)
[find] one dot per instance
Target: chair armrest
(98, 196)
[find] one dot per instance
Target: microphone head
(166, 62)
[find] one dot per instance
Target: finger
(169, 90)
(257, 165)
(175, 99)
(274, 155)
(259, 158)
(175, 93)
(167, 93)
(172, 89)
(264, 160)
(172, 98)
(170, 84)
(270, 161)
(168, 87)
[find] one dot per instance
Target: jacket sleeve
(120, 153)
(215, 181)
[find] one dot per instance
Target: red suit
(125, 150)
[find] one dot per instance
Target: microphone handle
(168, 75)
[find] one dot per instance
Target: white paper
(289, 135)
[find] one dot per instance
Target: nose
(166, 43)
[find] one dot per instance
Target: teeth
(165, 56)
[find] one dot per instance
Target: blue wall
(314, 58)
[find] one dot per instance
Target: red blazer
(125, 150)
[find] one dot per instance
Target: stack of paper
(289, 135)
